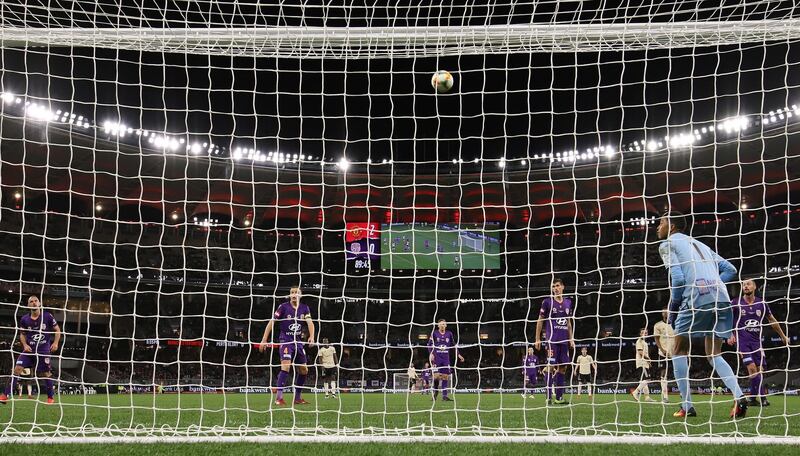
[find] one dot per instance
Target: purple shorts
(531, 375)
(294, 352)
(442, 366)
(752, 355)
(560, 352)
(40, 360)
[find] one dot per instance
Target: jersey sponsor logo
(702, 286)
(752, 325)
(295, 327)
(37, 337)
(561, 322)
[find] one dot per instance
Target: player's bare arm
(24, 341)
(56, 339)
(265, 338)
(569, 331)
(311, 330)
(538, 340)
(777, 327)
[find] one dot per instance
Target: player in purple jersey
(749, 313)
(531, 365)
(39, 335)
(291, 316)
(426, 379)
(439, 346)
(556, 311)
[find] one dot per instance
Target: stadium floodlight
(8, 97)
(344, 164)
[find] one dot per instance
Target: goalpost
(168, 176)
(473, 243)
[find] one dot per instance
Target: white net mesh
(169, 173)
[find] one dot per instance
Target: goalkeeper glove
(672, 311)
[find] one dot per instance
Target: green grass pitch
(254, 413)
(422, 257)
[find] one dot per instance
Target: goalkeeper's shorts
(705, 321)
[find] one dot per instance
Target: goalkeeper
(699, 306)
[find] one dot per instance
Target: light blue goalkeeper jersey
(697, 273)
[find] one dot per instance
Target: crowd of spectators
(130, 295)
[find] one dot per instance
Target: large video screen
(440, 246)
(362, 243)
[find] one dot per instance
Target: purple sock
(444, 388)
(299, 381)
(559, 385)
(548, 380)
(755, 385)
(281, 381)
(48, 384)
(12, 386)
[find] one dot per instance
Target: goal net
(475, 244)
(171, 175)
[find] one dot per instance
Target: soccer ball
(442, 81)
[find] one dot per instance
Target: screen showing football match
(440, 246)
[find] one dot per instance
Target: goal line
(498, 438)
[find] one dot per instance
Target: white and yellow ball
(442, 81)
